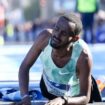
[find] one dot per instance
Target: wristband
(24, 96)
(65, 99)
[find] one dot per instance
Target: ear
(75, 38)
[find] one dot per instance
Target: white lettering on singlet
(52, 89)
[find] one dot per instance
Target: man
(67, 63)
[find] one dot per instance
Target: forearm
(23, 82)
(80, 100)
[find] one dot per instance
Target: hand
(25, 101)
(56, 101)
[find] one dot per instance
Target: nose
(57, 34)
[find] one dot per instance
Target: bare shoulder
(45, 34)
(43, 38)
(85, 60)
(85, 55)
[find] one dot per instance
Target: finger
(47, 103)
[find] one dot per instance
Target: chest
(60, 61)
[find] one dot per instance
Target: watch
(65, 98)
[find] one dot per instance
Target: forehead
(65, 24)
(62, 22)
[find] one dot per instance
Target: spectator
(87, 10)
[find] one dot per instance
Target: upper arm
(39, 44)
(84, 66)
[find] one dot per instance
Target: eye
(64, 33)
(56, 29)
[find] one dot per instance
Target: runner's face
(61, 34)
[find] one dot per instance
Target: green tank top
(62, 81)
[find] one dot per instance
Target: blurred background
(22, 20)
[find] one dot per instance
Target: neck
(63, 52)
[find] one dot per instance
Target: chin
(55, 46)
